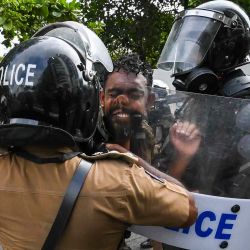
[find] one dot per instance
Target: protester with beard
(126, 100)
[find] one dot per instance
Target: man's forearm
(158, 173)
(179, 166)
(145, 164)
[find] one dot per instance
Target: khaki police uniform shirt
(116, 193)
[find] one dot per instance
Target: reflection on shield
(221, 164)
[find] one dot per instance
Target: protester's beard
(120, 130)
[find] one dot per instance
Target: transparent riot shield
(216, 169)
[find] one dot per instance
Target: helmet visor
(97, 51)
(86, 41)
(188, 43)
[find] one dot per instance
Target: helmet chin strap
(89, 73)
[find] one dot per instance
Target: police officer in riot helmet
(204, 48)
(49, 92)
(49, 103)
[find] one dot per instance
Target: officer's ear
(150, 100)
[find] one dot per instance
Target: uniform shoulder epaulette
(155, 177)
(128, 157)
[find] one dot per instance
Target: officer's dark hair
(132, 63)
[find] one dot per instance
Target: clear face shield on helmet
(190, 39)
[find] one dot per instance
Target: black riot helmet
(205, 43)
(46, 97)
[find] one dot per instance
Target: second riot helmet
(215, 35)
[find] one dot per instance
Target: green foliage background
(140, 26)
(22, 18)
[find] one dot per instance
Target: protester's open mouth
(120, 114)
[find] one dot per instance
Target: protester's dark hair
(131, 63)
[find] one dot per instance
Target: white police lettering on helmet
(19, 74)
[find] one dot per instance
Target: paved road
(134, 241)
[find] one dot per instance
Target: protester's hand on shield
(186, 138)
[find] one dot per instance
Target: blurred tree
(136, 26)
(140, 26)
(22, 18)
